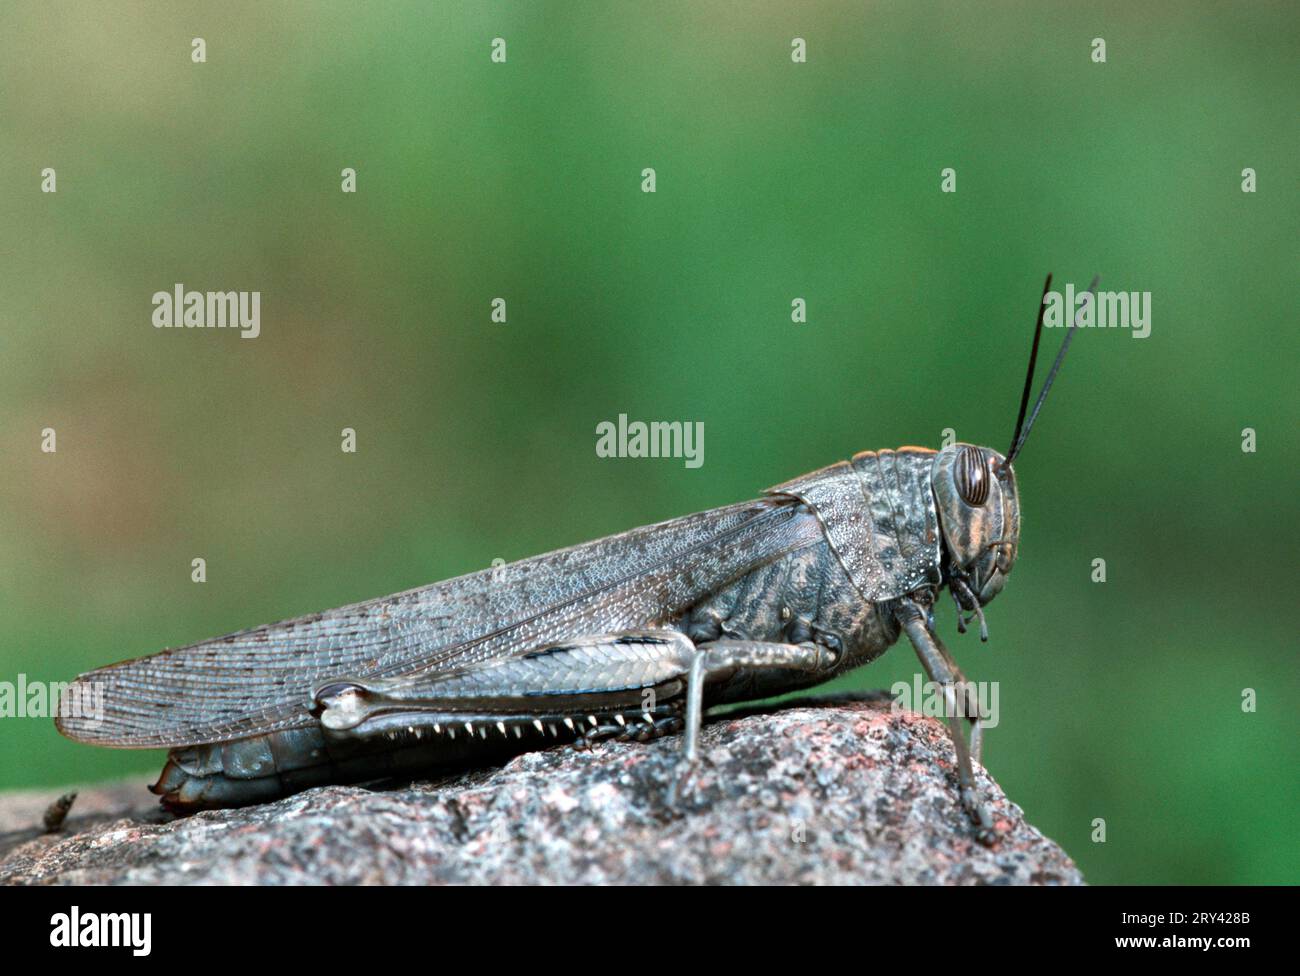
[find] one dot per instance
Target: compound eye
(972, 476)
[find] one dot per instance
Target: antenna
(1022, 433)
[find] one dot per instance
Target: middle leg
(720, 659)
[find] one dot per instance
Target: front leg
(941, 669)
(970, 699)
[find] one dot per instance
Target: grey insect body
(631, 636)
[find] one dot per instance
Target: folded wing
(262, 679)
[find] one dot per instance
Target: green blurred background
(776, 180)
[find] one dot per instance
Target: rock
(824, 793)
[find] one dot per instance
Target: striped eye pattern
(972, 477)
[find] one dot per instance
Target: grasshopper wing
(262, 680)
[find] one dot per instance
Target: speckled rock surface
(843, 794)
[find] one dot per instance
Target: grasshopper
(631, 636)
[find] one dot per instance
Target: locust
(628, 637)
